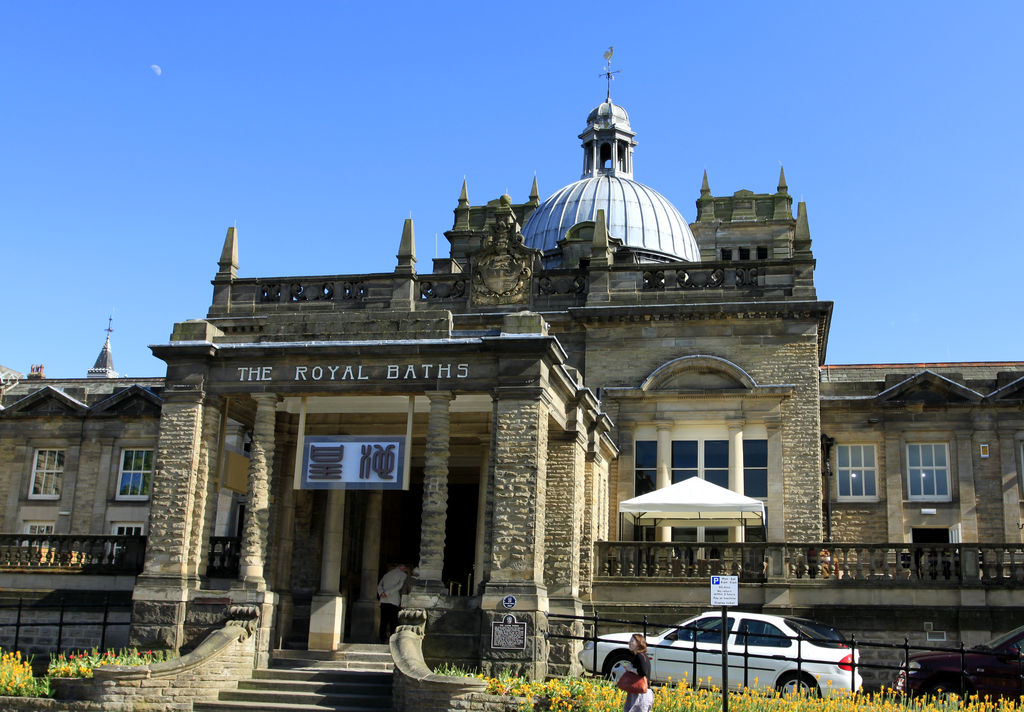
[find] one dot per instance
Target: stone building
(565, 356)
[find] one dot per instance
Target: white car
(789, 654)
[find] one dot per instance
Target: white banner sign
(354, 462)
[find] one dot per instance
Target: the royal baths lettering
(355, 372)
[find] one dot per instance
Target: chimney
(36, 372)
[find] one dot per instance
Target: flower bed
(82, 664)
(16, 679)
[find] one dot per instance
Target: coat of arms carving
(503, 268)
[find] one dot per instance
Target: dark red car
(993, 669)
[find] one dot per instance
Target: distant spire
(228, 263)
(407, 250)
(705, 189)
(464, 196)
(782, 180)
(534, 193)
(104, 366)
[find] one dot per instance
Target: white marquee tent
(693, 502)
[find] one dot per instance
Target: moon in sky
(156, 69)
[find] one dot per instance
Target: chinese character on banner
(353, 462)
(325, 461)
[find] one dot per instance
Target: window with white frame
(136, 474)
(856, 472)
(126, 529)
(39, 528)
(47, 474)
(928, 471)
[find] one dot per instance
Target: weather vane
(110, 321)
(608, 73)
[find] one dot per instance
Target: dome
(608, 114)
(639, 216)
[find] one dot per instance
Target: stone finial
(228, 264)
(600, 251)
(407, 250)
(534, 193)
(705, 189)
(782, 181)
(802, 233)
(705, 203)
(464, 196)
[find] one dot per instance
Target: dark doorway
(929, 535)
(460, 539)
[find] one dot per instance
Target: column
(967, 496)
(664, 471)
(479, 553)
(366, 612)
(327, 610)
(1008, 446)
(158, 600)
(257, 499)
(435, 492)
(566, 492)
(736, 469)
(204, 494)
(517, 552)
(893, 484)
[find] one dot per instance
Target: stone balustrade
(72, 552)
(843, 564)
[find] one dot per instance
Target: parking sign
(725, 590)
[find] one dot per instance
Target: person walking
(389, 593)
(642, 664)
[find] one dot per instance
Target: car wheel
(795, 683)
(615, 662)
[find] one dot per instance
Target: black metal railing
(47, 621)
(223, 556)
(72, 553)
(864, 655)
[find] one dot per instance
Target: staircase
(356, 678)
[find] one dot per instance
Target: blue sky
(318, 128)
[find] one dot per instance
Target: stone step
(228, 706)
(267, 698)
(323, 675)
(382, 666)
(324, 686)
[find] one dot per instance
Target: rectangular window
(136, 474)
(126, 529)
(646, 467)
(855, 472)
(928, 471)
(716, 462)
(744, 253)
(684, 460)
(762, 253)
(755, 468)
(726, 254)
(39, 528)
(47, 474)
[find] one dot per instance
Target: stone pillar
(327, 610)
(435, 492)
(366, 611)
(257, 499)
(1008, 446)
(893, 484)
(161, 591)
(736, 469)
(209, 459)
(776, 507)
(566, 465)
(664, 471)
(968, 498)
(519, 487)
(284, 542)
(479, 552)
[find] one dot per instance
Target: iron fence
(961, 679)
(68, 612)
